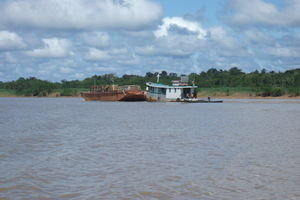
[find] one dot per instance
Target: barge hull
(114, 96)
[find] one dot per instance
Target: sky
(74, 39)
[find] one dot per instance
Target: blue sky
(179, 8)
(75, 39)
(208, 8)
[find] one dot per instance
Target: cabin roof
(159, 85)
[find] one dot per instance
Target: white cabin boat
(178, 91)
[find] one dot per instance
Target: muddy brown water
(71, 149)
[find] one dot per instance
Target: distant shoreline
(204, 93)
(37, 97)
(248, 97)
(199, 96)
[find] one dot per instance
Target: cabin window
(169, 90)
(175, 90)
(151, 89)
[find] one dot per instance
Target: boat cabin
(178, 91)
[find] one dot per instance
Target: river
(65, 148)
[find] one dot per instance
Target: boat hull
(134, 96)
(114, 96)
(201, 101)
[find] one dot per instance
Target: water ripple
(69, 149)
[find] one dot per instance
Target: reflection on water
(70, 149)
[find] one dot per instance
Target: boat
(177, 92)
(114, 93)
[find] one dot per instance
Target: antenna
(158, 75)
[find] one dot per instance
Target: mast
(158, 75)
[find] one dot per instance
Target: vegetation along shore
(232, 83)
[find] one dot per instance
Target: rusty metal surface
(134, 96)
(114, 96)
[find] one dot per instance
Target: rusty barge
(114, 93)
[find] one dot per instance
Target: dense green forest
(260, 83)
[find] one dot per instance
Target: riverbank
(215, 93)
(67, 92)
(199, 96)
(247, 97)
(247, 93)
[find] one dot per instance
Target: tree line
(264, 83)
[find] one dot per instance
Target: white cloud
(170, 42)
(144, 34)
(115, 54)
(10, 41)
(96, 39)
(180, 22)
(53, 48)
(100, 69)
(257, 36)
(129, 61)
(29, 70)
(66, 70)
(204, 41)
(172, 45)
(218, 34)
(97, 55)
(78, 76)
(262, 12)
(284, 52)
(118, 51)
(10, 58)
(79, 14)
(147, 50)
